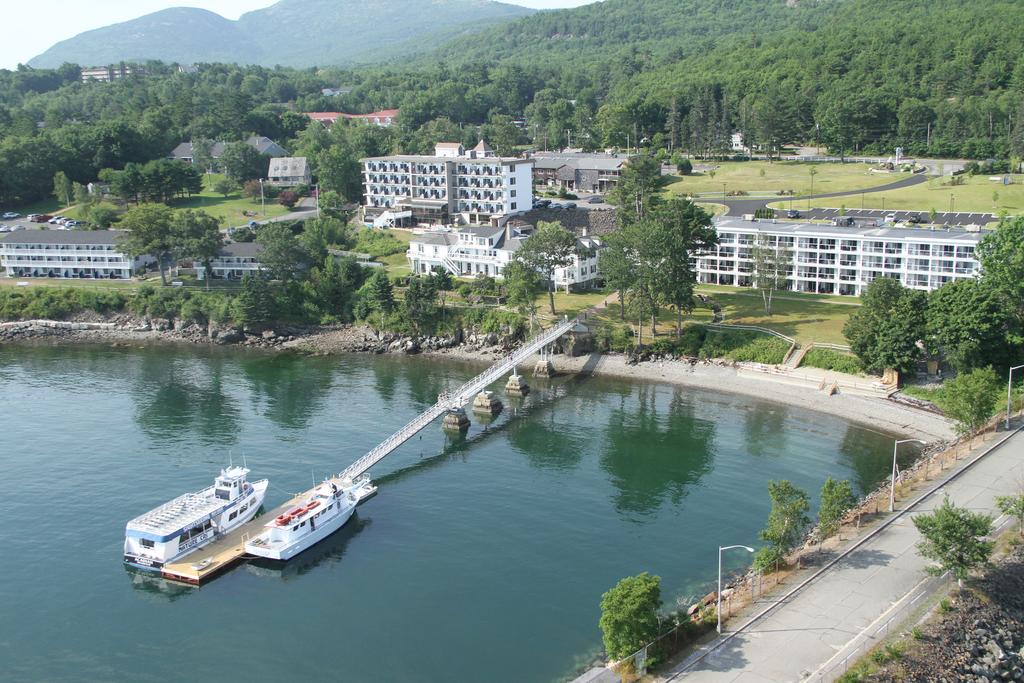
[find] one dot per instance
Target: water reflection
(651, 453)
(764, 429)
(869, 462)
(286, 389)
(329, 551)
(153, 586)
(176, 397)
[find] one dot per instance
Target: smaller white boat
(189, 522)
(323, 512)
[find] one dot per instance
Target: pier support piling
(517, 386)
(487, 403)
(544, 368)
(455, 420)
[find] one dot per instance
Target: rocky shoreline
(574, 357)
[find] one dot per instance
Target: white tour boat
(189, 522)
(325, 511)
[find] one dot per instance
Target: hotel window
(513, 206)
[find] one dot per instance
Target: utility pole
(263, 201)
(316, 189)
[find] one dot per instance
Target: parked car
(56, 220)
(595, 200)
(12, 214)
(890, 218)
(542, 203)
(792, 213)
(915, 218)
(5, 228)
(40, 217)
(73, 224)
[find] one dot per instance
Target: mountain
(297, 33)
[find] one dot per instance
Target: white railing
(456, 399)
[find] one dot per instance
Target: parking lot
(945, 218)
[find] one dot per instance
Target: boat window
(295, 528)
(303, 523)
(145, 543)
(224, 494)
(244, 508)
(331, 506)
(232, 516)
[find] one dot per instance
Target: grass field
(782, 175)
(977, 194)
(228, 209)
(805, 317)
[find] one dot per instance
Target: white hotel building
(68, 254)
(487, 250)
(454, 187)
(234, 261)
(843, 260)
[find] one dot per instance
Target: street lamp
(263, 201)
(1009, 392)
(952, 203)
(892, 488)
(718, 607)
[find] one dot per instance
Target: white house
(454, 186)
(488, 249)
(235, 260)
(68, 254)
(843, 260)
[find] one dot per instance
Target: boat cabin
(230, 484)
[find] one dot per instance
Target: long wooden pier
(201, 566)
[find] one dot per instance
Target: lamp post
(263, 201)
(1009, 392)
(892, 487)
(718, 606)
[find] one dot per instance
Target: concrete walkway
(810, 628)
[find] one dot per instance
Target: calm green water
(480, 559)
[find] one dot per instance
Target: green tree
(684, 166)
(1001, 255)
(887, 328)
(202, 155)
(549, 247)
(419, 305)
(971, 398)
(973, 324)
(522, 285)
(255, 304)
(786, 523)
(320, 234)
(684, 230)
(241, 163)
(81, 196)
(773, 262)
(379, 294)
(62, 189)
(197, 236)
(149, 232)
(1013, 506)
(332, 287)
(629, 614)
(637, 189)
(101, 217)
(836, 499)
(283, 256)
(225, 186)
(954, 537)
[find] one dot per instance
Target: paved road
(807, 630)
(739, 207)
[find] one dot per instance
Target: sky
(31, 27)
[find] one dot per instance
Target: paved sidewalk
(811, 627)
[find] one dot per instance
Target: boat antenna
(244, 463)
(231, 459)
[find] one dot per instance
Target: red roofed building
(384, 117)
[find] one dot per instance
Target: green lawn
(69, 282)
(975, 195)
(782, 175)
(228, 209)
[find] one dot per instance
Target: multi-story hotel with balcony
(455, 186)
(68, 254)
(843, 260)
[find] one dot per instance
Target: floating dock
(203, 565)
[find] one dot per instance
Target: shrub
(829, 359)
(378, 243)
(743, 345)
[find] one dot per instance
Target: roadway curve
(739, 207)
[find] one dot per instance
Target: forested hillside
(938, 77)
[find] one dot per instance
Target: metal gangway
(458, 398)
